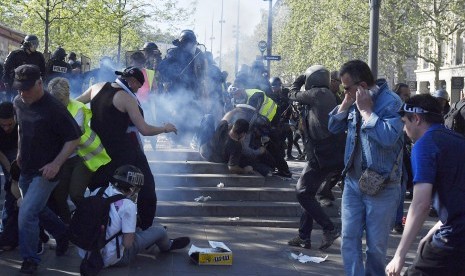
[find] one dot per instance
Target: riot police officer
(73, 62)
(182, 73)
(184, 67)
(152, 55)
(57, 66)
(27, 54)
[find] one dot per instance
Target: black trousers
(309, 183)
(434, 261)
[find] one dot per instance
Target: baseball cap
(132, 72)
(26, 76)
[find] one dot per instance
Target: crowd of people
(63, 132)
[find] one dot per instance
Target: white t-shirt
(123, 217)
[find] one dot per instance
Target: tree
(49, 12)
(94, 27)
(440, 20)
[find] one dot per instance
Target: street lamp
(270, 31)
(221, 32)
(237, 38)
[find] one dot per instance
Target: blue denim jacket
(381, 136)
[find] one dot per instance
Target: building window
(459, 49)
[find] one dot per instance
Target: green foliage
(92, 27)
(332, 32)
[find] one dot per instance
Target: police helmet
(275, 82)
(30, 40)
(258, 65)
(441, 93)
(72, 56)
(128, 178)
(59, 54)
(317, 76)
(150, 46)
(187, 36)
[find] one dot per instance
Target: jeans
(372, 214)
(306, 189)
(144, 241)
(36, 190)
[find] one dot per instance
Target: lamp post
(221, 32)
(237, 37)
(270, 33)
(374, 37)
(212, 37)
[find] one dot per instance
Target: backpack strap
(111, 200)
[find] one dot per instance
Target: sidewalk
(256, 251)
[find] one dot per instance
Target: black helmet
(59, 54)
(317, 76)
(275, 81)
(150, 46)
(72, 56)
(187, 36)
(128, 177)
(30, 40)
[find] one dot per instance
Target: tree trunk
(47, 27)
(118, 57)
(401, 76)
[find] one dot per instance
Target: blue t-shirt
(438, 157)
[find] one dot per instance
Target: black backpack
(88, 229)
(454, 119)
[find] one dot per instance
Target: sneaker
(329, 237)
(399, 228)
(326, 202)
(28, 267)
(62, 245)
(287, 174)
(179, 243)
(40, 248)
(297, 241)
(301, 157)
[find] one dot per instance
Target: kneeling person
(225, 146)
(127, 180)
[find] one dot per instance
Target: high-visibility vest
(90, 148)
(144, 91)
(268, 107)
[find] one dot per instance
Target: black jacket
(20, 57)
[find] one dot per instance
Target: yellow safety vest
(268, 107)
(90, 148)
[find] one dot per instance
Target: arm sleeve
(424, 161)
(128, 217)
(385, 129)
(337, 121)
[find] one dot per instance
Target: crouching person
(123, 240)
(225, 146)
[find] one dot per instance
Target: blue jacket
(381, 136)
